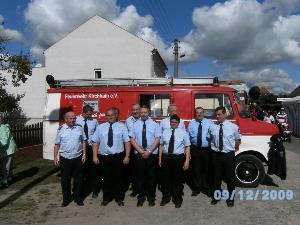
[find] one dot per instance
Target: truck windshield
(243, 108)
(157, 103)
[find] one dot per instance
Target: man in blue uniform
(135, 116)
(174, 157)
(200, 152)
(145, 137)
(165, 123)
(91, 176)
(108, 149)
(69, 154)
(225, 139)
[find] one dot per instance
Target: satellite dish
(254, 93)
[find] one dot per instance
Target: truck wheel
(249, 171)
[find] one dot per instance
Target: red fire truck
(158, 93)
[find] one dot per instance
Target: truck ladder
(108, 82)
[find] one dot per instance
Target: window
(211, 101)
(158, 104)
(98, 73)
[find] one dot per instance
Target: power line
(157, 17)
(167, 17)
(164, 20)
(160, 14)
(164, 11)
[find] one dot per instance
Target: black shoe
(151, 203)
(95, 195)
(214, 201)
(64, 204)
(104, 203)
(4, 185)
(230, 203)
(164, 202)
(178, 205)
(140, 202)
(79, 203)
(133, 194)
(195, 193)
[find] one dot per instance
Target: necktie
(110, 139)
(171, 143)
(86, 129)
(221, 137)
(199, 135)
(144, 138)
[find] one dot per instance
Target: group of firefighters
(164, 154)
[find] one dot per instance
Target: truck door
(210, 101)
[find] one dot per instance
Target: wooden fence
(28, 135)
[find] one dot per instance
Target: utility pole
(176, 47)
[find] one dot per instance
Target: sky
(257, 41)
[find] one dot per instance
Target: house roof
(155, 51)
(295, 92)
(99, 17)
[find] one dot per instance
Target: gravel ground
(40, 204)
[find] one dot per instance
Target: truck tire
(249, 171)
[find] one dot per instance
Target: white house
(100, 49)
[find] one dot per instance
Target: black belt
(201, 148)
(222, 153)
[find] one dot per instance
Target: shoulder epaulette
(60, 127)
(78, 125)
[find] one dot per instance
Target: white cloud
(49, 21)
(9, 34)
(247, 33)
(276, 80)
(130, 20)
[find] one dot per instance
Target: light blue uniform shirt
(129, 123)
(165, 124)
(193, 131)
(152, 132)
(181, 140)
(120, 136)
(92, 125)
(231, 133)
(70, 140)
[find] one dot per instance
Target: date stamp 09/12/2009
(254, 195)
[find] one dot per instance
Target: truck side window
(211, 101)
(158, 103)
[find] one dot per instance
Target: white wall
(33, 103)
(99, 43)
